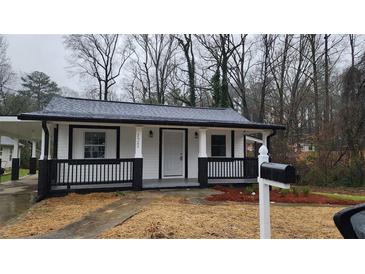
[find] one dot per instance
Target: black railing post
(203, 172)
(15, 169)
(43, 179)
(32, 165)
(137, 173)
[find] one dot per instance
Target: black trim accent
(15, 169)
(203, 171)
(33, 165)
(244, 146)
(186, 168)
(55, 142)
(70, 137)
(25, 116)
(46, 141)
(232, 143)
(160, 153)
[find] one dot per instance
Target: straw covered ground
(174, 218)
(54, 213)
(177, 215)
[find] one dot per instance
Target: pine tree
(39, 87)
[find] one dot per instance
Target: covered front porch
(196, 167)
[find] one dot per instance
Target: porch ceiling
(12, 127)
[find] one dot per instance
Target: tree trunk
(326, 80)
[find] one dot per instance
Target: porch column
(33, 159)
(138, 151)
(138, 161)
(15, 161)
(203, 143)
(203, 158)
(44, 172)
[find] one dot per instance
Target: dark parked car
(351, 222)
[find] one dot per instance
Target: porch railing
(63, 174)
(91, 171)
(232, 168)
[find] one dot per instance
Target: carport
(16, 129)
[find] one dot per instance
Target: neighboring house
(304, 147)
(92, 144)
(6, 151)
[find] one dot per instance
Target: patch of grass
(7, 176)
(284, 192)
(120, 193)
(345, 197)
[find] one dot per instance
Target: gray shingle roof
(76, 109)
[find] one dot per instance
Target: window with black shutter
(218, 145)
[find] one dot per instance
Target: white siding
(127, 141)
(62, 150)
(238, 144)
(150, 146)
(5, 160)
(150, 151)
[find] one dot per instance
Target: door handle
(181, 158)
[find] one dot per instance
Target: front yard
(176, 214)
(6, 177)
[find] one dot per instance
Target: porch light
(150, 134)
(196, 135)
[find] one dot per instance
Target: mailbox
(278, 172)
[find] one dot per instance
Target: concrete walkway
(16, 197)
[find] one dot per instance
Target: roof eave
(26, 116)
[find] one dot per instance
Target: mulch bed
(237, 194)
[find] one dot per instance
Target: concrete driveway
(16, 197)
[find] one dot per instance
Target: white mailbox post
(264, 195)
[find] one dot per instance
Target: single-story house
(7, 151)
(107, 144)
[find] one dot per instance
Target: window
(218, 145)
(94, 145)
(10, 154)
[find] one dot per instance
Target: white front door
(173, 153)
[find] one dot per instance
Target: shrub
(306, 190)
(249, 189)
(295, 191)
(284, 192)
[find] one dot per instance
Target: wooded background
(311, 83)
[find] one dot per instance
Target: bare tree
(6, 73)
(100, 56)
(186, 43)
(267, 41)
(159, 62)
(239, 67)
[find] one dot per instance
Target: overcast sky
(44, 53)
